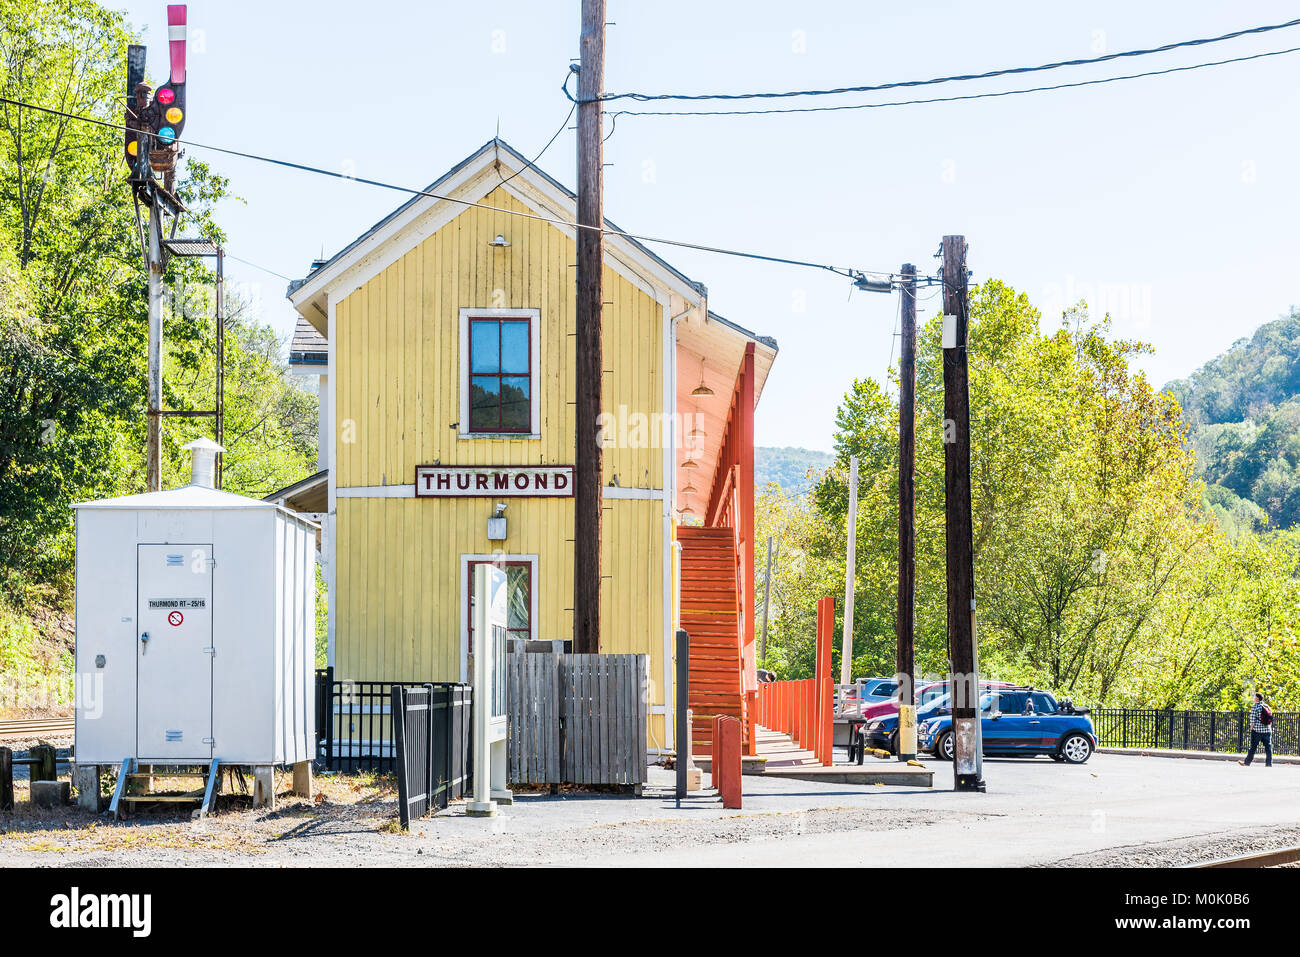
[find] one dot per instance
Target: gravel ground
(1114, 811)
(1206, 847)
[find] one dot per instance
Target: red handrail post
(751, 718)
(825, 702)
(727, 761)
(828, 723)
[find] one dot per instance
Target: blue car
(931, 700)
(1020, 721)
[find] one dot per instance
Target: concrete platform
(780, 757)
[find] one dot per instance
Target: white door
(174, 652)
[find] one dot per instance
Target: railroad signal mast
(154, 122)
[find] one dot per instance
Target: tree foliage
(73, 327)
(1102, 569)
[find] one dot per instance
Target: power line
(532, 162)
(305, 168)
(953, 99)
(270, 272)
(1008, 71)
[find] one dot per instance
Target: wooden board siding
(398, 352)
(398, 611)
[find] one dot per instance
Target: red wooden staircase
(710, 615)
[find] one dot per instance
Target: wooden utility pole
(968, 770)
(850, 576)
(590, 361)
(905, 663)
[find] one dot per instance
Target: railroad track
(1274, 858)
(29, 727)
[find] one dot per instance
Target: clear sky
(1169, 201)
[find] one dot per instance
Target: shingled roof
(309, 347)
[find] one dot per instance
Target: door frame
(463, 570)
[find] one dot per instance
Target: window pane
(484, 346)
(484, 396)
(514, 347)
(518, 597)
(516, 412)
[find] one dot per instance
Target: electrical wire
(954, 99)
(988, 75)
(270, 272)
(531, 163)
(604, 230)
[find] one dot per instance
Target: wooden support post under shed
(264, 786)
(86, 778)
(302, 780)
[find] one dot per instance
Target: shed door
(174, 652)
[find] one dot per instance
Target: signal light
(164, 117)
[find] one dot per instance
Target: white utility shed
(196, 622)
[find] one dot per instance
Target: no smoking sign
(175, 618)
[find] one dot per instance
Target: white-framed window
(500, 374)
(522, 589)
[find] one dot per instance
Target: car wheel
(1076, 748)
(943, 747)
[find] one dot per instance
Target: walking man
(1261, 731)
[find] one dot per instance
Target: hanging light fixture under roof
(702, 388)
(690, 464)
(689, 488)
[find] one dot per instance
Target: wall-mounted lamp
(497, 524)
(500, 242)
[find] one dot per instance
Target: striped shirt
(1255, 723)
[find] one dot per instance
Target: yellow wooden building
(448, 350)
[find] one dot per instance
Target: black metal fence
(354, 722)
(1190, 730)
(432, 737)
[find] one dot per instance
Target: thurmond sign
(466, 481)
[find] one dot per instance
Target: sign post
(488, 608)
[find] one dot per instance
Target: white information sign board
(488, 607)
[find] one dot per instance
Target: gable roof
(534, 187)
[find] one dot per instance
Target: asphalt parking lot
(1113, 810)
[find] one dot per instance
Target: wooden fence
(576, 719)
